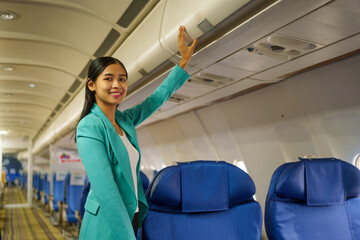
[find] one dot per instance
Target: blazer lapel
(117, 146)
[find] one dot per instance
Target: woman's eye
(108, 79)
(122, 79)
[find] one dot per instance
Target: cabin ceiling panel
(81, 29)
(112, 10)
(23, 108)
(44, 54)
(40, 89)
(249, 61)
(28, 99)
(19, 131)
(347, 5)
(195, 89)
(16, 123)
(336, 16)
(315, 32)
(226, 71)
(21, 117)
(38, 74)
(324, 26)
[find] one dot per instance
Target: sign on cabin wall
(67, 157)
(62, 159)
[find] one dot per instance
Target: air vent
(108, 43)
(51, 115)
(207, 81)
(74, 86)
(178, 98)
(58, 107)
(84, 72)
(143, 72)
(205, 26)
(130, 14)
(65, 98)
(215, 78)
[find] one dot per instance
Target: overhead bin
(155, 39)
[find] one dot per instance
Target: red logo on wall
(66, 158)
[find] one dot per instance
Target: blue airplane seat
(40, 185)
(202, 200)
(25, 180)
(314, 199)
(84, 194)
(58, 190)
(46, 188)
(12, 176)
(73, 187)
(144, 180)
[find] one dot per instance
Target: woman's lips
(116, 94)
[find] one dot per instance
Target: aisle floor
(24, 223)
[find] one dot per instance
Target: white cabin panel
(197, 136)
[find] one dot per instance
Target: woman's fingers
(181, 37)
(185, 51)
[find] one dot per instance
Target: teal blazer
(111, 203)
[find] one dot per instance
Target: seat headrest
(323, 181)
(201, 186)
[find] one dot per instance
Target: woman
(108, 146)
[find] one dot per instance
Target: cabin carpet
(26, 223)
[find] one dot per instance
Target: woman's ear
(91, 84)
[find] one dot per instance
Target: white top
(134, 159)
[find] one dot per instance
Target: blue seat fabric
(73, 194)
(314, 199)
(84, 194)
(144, 180)
(202, 200)
(58, 188)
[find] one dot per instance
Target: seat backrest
(58, 186)
(84, 193)
(74, 182)
(144, 180)
(40, 182)
(35, 180)
(314, 199)
(46, 184)
(202, 200)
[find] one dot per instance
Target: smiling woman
(108, 146)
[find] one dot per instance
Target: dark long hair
(96, 67)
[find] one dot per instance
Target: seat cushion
(240, 222)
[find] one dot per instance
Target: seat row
(65, 204)
(310, 199)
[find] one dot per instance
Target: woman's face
(111, 86)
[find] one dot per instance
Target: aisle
(25, 223)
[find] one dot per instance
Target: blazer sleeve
(171, 84)
(93, 154)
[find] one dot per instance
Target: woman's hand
(185, 51)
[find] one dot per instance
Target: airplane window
(241, 165)
(357, 161)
